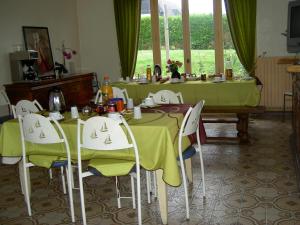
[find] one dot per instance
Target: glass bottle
(106, 89)
(148, 73)
(228, 69)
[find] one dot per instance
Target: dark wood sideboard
(76, 88)
(295, 137)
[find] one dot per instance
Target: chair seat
(110, 167)
(47, 161)
(59, 163)
(189, 152)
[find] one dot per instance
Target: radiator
(275, 81)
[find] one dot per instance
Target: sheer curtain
(241, 16)
(127, 16)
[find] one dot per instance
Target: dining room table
(156, 134)
(236, 92)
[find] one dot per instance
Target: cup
(149, 101)
(217, 78)
(130, 103)
(74, 112)
(137, 113)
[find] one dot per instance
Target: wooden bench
(241, 119)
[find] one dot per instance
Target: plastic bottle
(106, 89)
(228, 69)
(148, 73)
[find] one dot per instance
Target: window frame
(218, 28)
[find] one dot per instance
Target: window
(191, 31)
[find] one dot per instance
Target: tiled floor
(246, 184)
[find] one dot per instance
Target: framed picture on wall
(37, 38)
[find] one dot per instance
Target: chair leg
(63, 179)
(132, 191)
(50, 174)
(82, 198)
(72, 176)
(185, 190)
(118, 193)
(154, 185)
(202, 171)
(26, 188)
(148, 183)
(69, 181)
(283, 116)
(138, 186)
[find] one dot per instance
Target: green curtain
(241, 15)
(127, 16)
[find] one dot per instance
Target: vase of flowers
(173, 66)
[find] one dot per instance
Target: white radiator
(275, 81)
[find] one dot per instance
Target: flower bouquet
(172, 66)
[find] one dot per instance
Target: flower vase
(175, 74)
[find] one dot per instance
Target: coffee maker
(24, 65)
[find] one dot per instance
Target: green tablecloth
(156, 136)
(228, 93)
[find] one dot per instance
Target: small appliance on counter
(24, 65)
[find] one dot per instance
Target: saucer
(56, 116)
(142, 82)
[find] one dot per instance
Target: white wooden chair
(4, 100)
(166, 97)
(101, 133)
(190, 125)
(24, 107)
(161, 97)
(98, 97)
(37, 129)
(117, 93)
(120, 93)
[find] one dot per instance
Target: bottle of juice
(148, 73)
(228, 70)
(106, 89)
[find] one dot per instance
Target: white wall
(271, 22)
(98, 39)
(60, 16)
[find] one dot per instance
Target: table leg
(189, 169)
(162, 196)
(21, 176)
(242, 127)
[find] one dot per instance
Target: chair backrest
(120, 93)
(4, 100)
(24, 107)
(98, 97)
(37, 129)
(190, 123)
(166, 97)
(102, 133)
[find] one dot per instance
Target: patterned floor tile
(245, 185)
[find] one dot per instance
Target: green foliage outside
(202, 61)
(201, 28)
(202, 44)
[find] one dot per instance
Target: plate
(176, 80)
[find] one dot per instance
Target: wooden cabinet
(76, 88)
